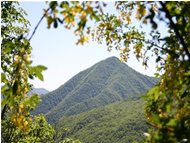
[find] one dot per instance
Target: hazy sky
(56, 49)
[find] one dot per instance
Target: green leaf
(53, 4)
(7, 97)
(4, 102)
(4, 88)
(32, 101)
(172, 122)
(3, 78)
(153, 93)
(96, 17)
(6, 50)
(64, 4)
(37, 71)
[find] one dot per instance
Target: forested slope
(120, 122)
(106, 82)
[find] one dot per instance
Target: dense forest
(167, 108)
(121, 122)
(101, 84)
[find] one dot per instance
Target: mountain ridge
(40, 91)
(105, 82)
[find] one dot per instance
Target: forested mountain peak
(106, 82)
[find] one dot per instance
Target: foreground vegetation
(167, 109)
(17, 124)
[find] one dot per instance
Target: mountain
(119, 122)
(40, 91)
(105, 82)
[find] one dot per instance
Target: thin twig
(38, 23)
(152, 43)
(175, 29)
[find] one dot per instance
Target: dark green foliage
(120, 122)
(106, 82)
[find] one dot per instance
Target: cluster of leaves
(168, 109)
(75, 15)
(40, 131)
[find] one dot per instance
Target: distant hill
(120, 122)
(105, 82)
(40, 91)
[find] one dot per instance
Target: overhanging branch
(175, 29)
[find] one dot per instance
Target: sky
(57, 50)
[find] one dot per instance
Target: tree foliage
(74, 15)
(17, 124)
(168, 109)
(17, 68)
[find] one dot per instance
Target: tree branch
(175, 29)
(152, 43)
(3, 112)
(38, 23)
